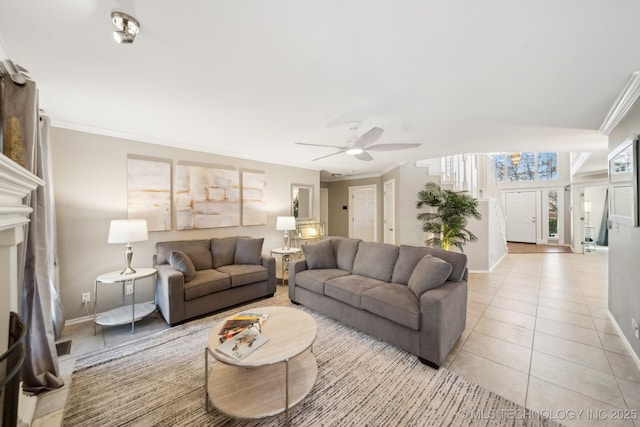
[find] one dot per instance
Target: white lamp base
(128, 255)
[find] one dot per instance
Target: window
(513, 167)
(547, 165)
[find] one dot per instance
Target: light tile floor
(537, 333)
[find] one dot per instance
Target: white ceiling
(251, 78)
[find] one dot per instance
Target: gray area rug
(159, 381)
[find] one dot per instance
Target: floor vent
(63, 348)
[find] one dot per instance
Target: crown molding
(621, 107)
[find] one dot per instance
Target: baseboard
(79, 320)
(492, 267)
(26, 408)
(624, 339)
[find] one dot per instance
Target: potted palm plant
(448, 219)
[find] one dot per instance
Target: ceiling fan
(359, 146)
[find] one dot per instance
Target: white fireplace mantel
(15, 185)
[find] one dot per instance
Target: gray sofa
(197, 277)
(412, 297)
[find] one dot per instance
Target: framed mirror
(302, 201)
(623, 183)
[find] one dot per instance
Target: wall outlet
(86, 297)
(129, 288)
(636, 328)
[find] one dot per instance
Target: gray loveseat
(412, 297)
(197, 277)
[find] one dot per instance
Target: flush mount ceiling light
(127, 27)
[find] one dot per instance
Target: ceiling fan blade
(320, 145)
(369, 138)
(328, 155)
(391, 147)
(363, 156)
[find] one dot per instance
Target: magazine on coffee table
(240, 322)
(243, 344)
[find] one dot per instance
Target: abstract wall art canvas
(149, 192)
(254, 208)
(206, 197)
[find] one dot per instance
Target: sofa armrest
(295, 266)
(269, 263)
(443, 314)
(170, 293)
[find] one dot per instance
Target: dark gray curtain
(36, 263)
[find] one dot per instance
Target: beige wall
(624, 246)
(90, 184)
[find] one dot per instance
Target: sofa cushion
(394, 302)
(206, 282)
(244, 274)
(181, 262)
(199, 251)
(314, 280)
(344, 251)
(430, 273)
(349, 289)
(223, 251)
(375, 260)
(319, 255)
(248, 251)
(410, 256)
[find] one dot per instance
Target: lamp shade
(286, 223)
(128, 230)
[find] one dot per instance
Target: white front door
(389, 212)
(362, 213)
(520, 210)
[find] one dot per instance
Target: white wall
(411, 181)
(485, 253)
(90, 184)
(624, 244)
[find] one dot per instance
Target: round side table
(127, 312)
(286, 257)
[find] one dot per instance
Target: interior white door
(520, 210)
(362, 213)
(389, 212)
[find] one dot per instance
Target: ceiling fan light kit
(127, 27)
(358, 146)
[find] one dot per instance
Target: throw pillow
(223, 251)
(430, 273)
(319, 255)
(248, 251)
(181, 262)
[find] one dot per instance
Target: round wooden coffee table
(271, 380)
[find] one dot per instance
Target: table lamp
(286, 223)
(127, 231)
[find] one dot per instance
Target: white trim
(78, 320)
(633, 354)
(391, 183)
(623, 104)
